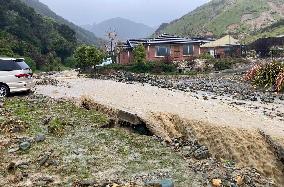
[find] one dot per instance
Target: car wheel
(4, 90)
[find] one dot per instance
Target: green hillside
(219, 17)
(274, 30)
(25, 33)
(82, 35)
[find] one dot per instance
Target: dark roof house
(161, 47)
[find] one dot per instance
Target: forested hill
(219, 17)
(83, 36)
(25, 33)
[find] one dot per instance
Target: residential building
(164, 46)
(226, 46)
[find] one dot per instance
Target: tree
(88, 56)
(94, 56)
(139, 54)
(80, 56)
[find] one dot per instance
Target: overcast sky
(150, 12)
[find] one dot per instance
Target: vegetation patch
(75, 148)
(270, 75)
(148, 67)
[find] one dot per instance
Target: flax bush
(267, 75)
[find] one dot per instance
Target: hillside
(274, 30)
(25, 33)
(124, 28)
(83, 36)
(218, 17)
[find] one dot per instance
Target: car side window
(8, 65)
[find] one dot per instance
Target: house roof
(222, 42)
(9, 58)
(163, 39)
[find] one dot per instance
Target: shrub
(279, 83)
(222, 64)
(139, 54)
(226, 63)
(56, 126)
(206, 56)
(70, 62)
(152, 67)
(88, 56)
(252, 72)
(266, 76)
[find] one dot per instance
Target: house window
(162, 51)
(188, 50)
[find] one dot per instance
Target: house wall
(126, 57)
(220, 51)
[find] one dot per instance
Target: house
(226, 46)
(161, 47)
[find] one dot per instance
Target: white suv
(15, 76)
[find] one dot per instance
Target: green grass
(82, 149)
(60, 112)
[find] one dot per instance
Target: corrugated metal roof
(225, 41)
(162, 39)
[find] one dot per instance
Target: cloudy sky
(150, 12)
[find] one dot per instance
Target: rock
(187, 151)
(44, 180)
(281, 97)
(267, 99)
(16, 129)
(11, 166)
(201, 153)
(22, 164)
(162, 183)
(39, 138)
(13, 150)
(86, 183)
(43, 160)
(216, 182)
(205, 97)
(247, 179)
(253, 98)
(1, 104)
(239, 180)
(25, 145)
(47, 120)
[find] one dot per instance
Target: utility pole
(112, 36)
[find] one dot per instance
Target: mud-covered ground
(46, 142)
(205, 131)
(219, 110)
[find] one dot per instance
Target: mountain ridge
(220, 17)
(83, 35)
(124, 28)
